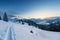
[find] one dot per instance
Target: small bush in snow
(22, 22)
(31, 31)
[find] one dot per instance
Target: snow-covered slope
(22, 32)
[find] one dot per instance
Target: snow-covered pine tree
(0, 18)
(5, 18)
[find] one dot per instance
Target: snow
(14, 31)
(44, 23)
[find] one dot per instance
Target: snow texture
(14, 31)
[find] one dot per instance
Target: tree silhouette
(0, 18)
(5, 17)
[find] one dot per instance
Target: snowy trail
(6, 31)
(10, 34)
(6, 34)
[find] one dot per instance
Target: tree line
(51, 27)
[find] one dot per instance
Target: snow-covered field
(18, 31)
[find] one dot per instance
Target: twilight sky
(31, 8)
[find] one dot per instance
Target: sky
(31, 8)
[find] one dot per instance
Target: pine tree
(5, 17)
(0, 18)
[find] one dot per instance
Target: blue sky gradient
(31, 8)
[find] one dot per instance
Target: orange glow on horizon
(35, 16)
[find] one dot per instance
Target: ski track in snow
(14, 31)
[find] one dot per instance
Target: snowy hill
(36, 20)
(52, 19)
(14, 31)
(52, 24)
(46, 21)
